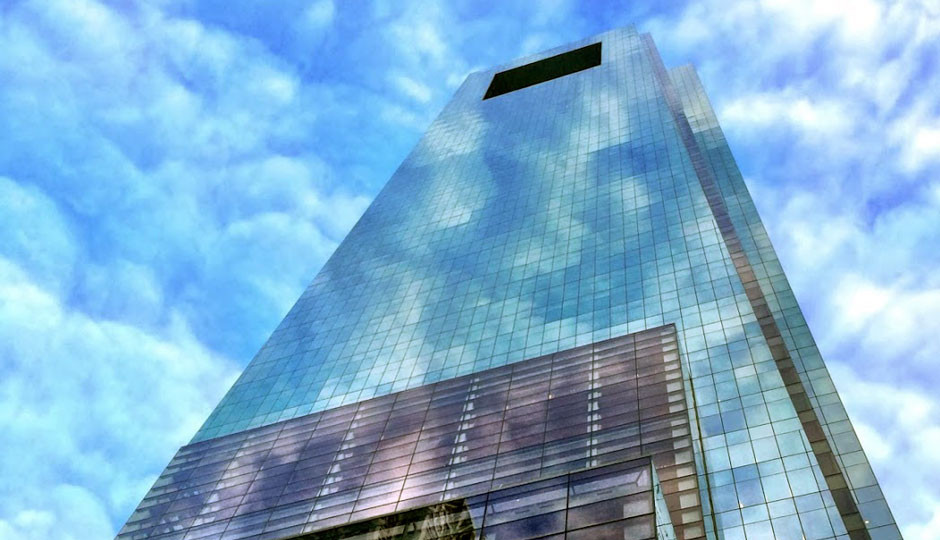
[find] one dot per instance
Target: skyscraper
(562, 317)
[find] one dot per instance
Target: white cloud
(411, 88)
(160, 180)
(929, 529)
(803, 19)
(899, 428)
(37, 234)
(341, 211)
(71, 506)
(422, 43)
(859, 300)
(402, 117)
(895, 326)
(173, 121)
(831, 112)
(924, 148)
(816, 121)
(319, 14)
(103, 404)
(871, 288)
(844, 77)
(180, 203)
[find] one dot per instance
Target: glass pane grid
(520, 236)
(456, 439)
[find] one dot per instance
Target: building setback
(561, 318)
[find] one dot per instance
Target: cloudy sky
(174, 172)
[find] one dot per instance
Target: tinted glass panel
(544, 70)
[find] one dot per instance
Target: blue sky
(174, 172)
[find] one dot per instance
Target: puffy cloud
(319, 14)
(157, 177)
(70, 512)
(892, 330)
(417, 33)
(841, 77)
(156, 140)
(829, 113)
(818, 121)
(91, 410)
(172, 174)
(37, 234)
(900, 427)
(412, 88)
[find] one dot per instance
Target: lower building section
(618, 501)
(581, 443)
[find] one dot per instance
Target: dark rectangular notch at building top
(544, 70)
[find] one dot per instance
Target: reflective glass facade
(596, 208)
(589, 412)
